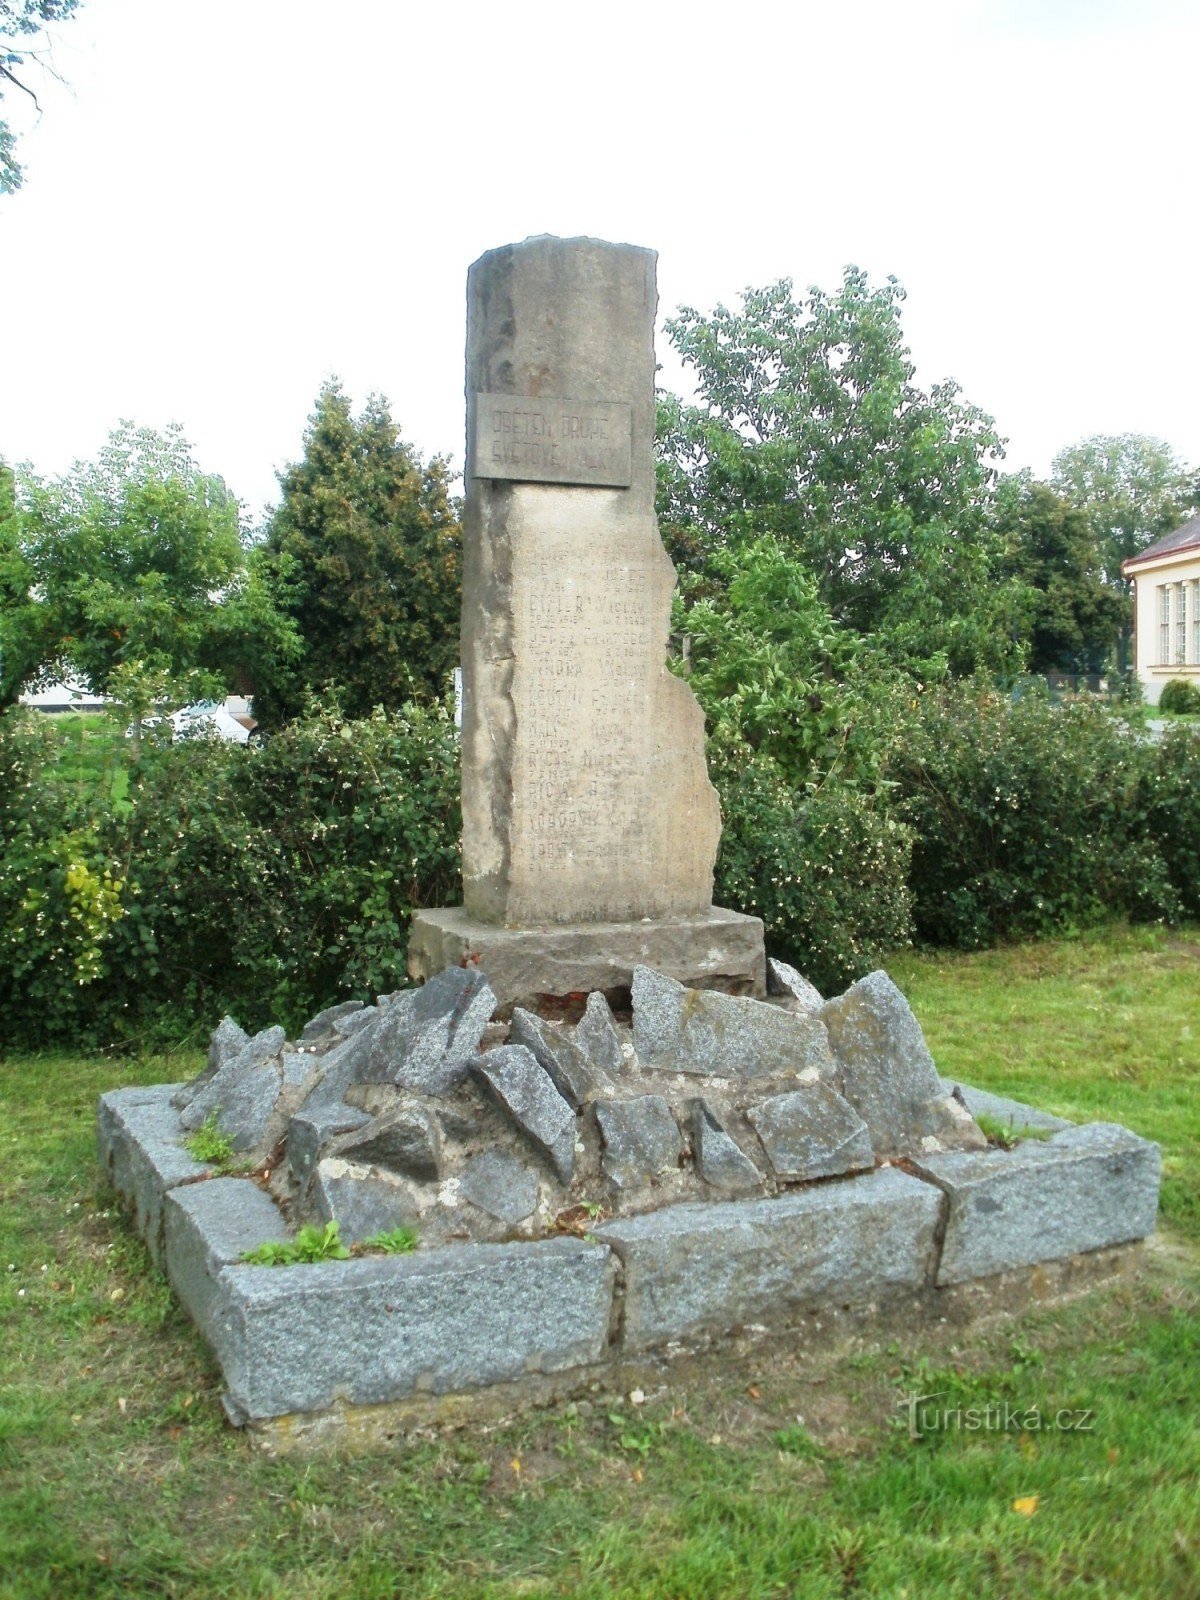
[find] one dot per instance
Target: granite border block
(141, 1150)
(206, 1228)
(1086, 1188)
(704, 1269)
(359, 1332)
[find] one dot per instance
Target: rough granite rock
(720, 1160)
(596, 1035)
(325, 1021)
(887, 1072)
(361, 1200)
(641, 1140)
(783, 980)
(512, 1076)
(952, 1125)
(311, 1131)
(812, 1132)
(700, 1031)
(427, 1039)
(500, 1185)
(407, 1141)
(243, 1093)
(1086, 1188)
(573, 1073)
(227, 1042)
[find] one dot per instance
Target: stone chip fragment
(887, 1072)
(702, 1031)
(719, 1159)
(500, 1185)
(812, 1132)
(596, 1034)
(512, 1076)
(573, 1073)
(641, 1140)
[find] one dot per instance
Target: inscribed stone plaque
(553, 441)
(585, 793)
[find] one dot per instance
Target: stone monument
(590, 827)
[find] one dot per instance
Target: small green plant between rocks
(310, 1244)
(394, 1242)
(998, 1132)
(209, 1144)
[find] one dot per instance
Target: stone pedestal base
(711, 949)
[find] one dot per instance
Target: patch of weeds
(1004, 1135)
(797, 1441)
(209, 1144)
(393, 1242)
(310, 1244)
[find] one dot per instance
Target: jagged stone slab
(243, 1093)
(425, 1038)
(500, 1185)
(720, 1160)
(228, 1040)
(141, 1147)
(676, 1029)
(511, 1074)
(785, 981)
(353, 1021)
(573, 1073)
(311, 1131)
(209, 1226)
(692, 1270)
(325, 1021)
(641, 1140)
(887, 1072)
(1085, 1188)
(596, 1035)
(407, 1141)
(812, 1132)
(300, 1339)
(362, 1200)
(951, 1126)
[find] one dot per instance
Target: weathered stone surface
(952, 1126)
(228, 1040)
(313, 1129)
(140, 1140)
(1014, 1114)
(888, 1075)
(513, 1077)
(721, 949)
(641, 1140)
(500, 1185)
(573, 1073)
(596, 1035)
(353, 1021)
(324, 1021)
(585, 794)
(676, 1029)
(1083, 1189)
(378, 1329)
(243, 1092)
(786, 981)
(707, 1268)
(407, 1141)
(719, 1159)
(812, 1132)
(208, 1226)
(362, 1200)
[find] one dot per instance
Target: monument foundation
(590, 827)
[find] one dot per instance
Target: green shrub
(1179, 698)
(1027, 818)
(1170, 804)
(825, 871)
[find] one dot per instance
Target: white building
(1166, 609)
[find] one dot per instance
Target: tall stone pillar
(590, 827)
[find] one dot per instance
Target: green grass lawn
(786, 1474)
(92, 753)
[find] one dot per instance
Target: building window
(1180, 624)
(1164, 624)
(1196, 621)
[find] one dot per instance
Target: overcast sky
(233, 199)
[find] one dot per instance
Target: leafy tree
(363, 554)
(23, 40)
(1133, 489)
(811, 429)
(129, 571)
(1072, 618)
